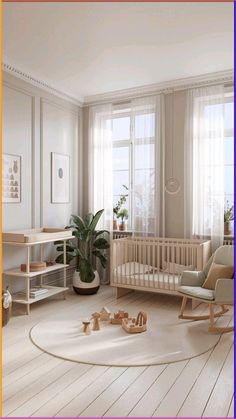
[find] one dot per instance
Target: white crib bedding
(128, 274)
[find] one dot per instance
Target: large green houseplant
(90, 244)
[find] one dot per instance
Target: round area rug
(166, 340)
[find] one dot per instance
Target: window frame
(118, 143)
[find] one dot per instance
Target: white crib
(155, 264)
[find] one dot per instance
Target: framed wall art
(60, 178)
(11, 178)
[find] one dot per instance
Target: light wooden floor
(37, 384)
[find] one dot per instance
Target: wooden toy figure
(86, 328)
(105, 314)
(135, 325)
(96, 317)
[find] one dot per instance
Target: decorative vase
(122, 226)
(85, 288)
(6, 306)
(227, 230)
(115, 227)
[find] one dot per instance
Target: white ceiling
(84, 49)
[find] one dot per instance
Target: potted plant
(228, 216)
(123, 214)
(88, 247)
(118, 206)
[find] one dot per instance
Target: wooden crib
(155, 264)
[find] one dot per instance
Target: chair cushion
(217, 271)
(197, 292)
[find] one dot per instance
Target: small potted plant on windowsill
(86, 249)
(123, 214)
(118, 206)
(228, 217)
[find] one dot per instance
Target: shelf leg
(64, 261)
(28, 260)
(27, 295)
(41, 259)
(28, 279)
(41, 252)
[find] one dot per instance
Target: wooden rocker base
(211, 317)
(218, 314)
(221, 329)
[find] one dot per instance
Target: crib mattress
(137, 274)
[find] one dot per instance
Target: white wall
(36, 123)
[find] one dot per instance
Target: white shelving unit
(16, 272)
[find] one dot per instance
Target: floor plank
(82, 400)
(199, 394)
(172, 402)
(39, 385)
(221, 396)
(126, 402)
(155, 394)
(99, 406)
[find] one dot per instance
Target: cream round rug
(166, 340)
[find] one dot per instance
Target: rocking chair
(223, 294)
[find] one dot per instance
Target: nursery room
(117, 209)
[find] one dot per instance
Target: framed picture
(11, 178)
(60, 177)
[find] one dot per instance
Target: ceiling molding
(39, 83)
(225, 77)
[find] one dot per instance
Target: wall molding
(226, 77)
(39, 83)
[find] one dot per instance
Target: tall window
(133, 135)
(228, 115)
(229, 150)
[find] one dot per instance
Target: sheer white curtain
(100, 171)
(100, 163)
(204, 164)
(146, 117)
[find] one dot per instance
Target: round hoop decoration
(172, 186)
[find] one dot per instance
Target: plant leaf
(86, 271)
(98, 233)
(101, 243)
(101, 257)
(78, 221)
(69, 258)
(79, 253)
(88, 219)
(96, 218)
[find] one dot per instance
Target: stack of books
(34, 292)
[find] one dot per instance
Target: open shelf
(18, 298)
(18, 272)
(38, 242)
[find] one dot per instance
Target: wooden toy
(119, 316)
(34, 266)
(135, 325)
(96, 317)
(86, 324)
(105, 314)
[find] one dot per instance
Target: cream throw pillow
(217, 271)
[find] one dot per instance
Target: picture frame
(11, 178)
(60, 178)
